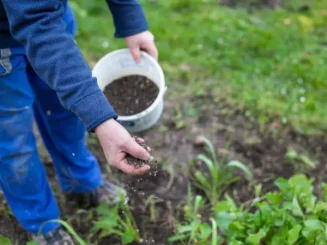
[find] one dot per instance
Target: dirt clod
(130, 95)
(138, 163)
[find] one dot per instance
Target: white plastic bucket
(121, 63)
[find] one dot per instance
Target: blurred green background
(271, 60)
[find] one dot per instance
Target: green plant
(299, 160)
(178, 118)
(171, 172)
(195, 230)
(32, 243)
(113, 222)
(219, 176)
(292, 215)
(151, 202)
(5, 240)
(68, 227)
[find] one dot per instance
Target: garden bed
(158, 198)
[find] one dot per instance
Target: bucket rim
(162, 89)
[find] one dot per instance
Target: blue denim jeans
(23, 98)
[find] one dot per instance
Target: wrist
(105, 126)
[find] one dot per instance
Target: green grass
(272, 61)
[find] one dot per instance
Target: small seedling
(151, 202)
(68, 227)
(178, 118)
(300, 160)
(219, 176)
(171, 172)
(195, 230)
(111, 222)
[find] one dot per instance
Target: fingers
(151, 49)
(141, 141)
(130, 169)
(142, 41)
(137, 151)
(136, 53)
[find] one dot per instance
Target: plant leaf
(202, 180)
(214, 232)
(222, 206)
(32, 243)
(224, 219)
(5, 240)
(244, 168)
(127, 238)
(178, 238)
(257, 190)
(184, 228)
(205, 231)
(293, 234)
(208, 162)
(198, 203)
(69, 229)
(324, 186)
(211, 149)
(296, 209)
(282, 184)
(312, 228)
(274, 198)
(255, 239)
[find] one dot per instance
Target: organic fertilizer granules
(138, 163)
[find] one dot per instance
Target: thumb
(137, 151)
(136, 53)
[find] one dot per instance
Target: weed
(111, 222)
(178, 118)
(195, 231)
(171, 172)
(151, 202)
(68, 227)
(300, 160)
(219, 176)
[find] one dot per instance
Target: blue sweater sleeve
(128, 16)
(55, 57)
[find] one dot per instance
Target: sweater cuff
(129, 20)
(94, 110)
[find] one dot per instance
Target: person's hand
(116, 142)
(142, 41)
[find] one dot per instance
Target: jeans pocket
(5, 63)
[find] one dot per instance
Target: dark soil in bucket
(130, 95)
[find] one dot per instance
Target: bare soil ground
(261, 148)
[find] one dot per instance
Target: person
(43, 76)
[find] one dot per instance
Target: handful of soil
(138, 163)
(130, 95)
